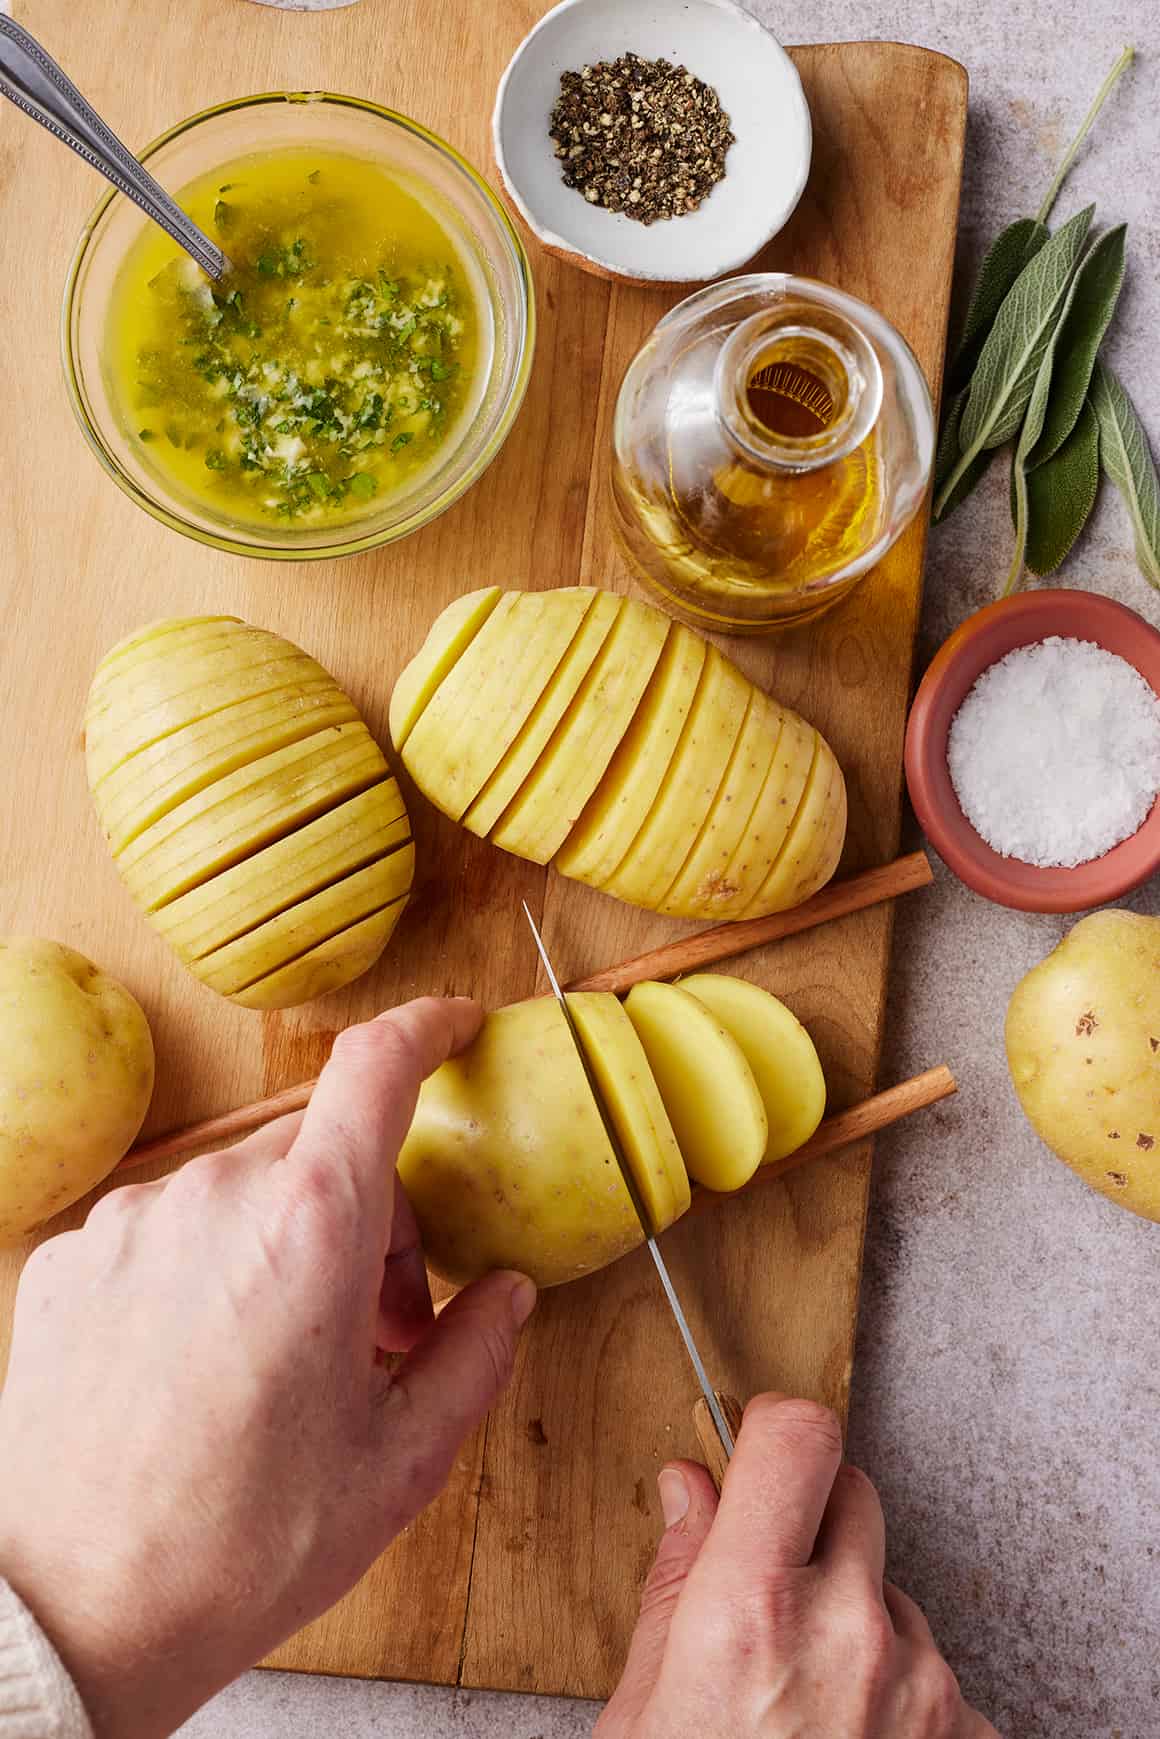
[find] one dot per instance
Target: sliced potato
(247, 810)
(183, 631)
(708, 1088)
(773, 815)
(451, 634)
(348, 838)
(334, 963)
(272, 945)
(537, 823)
(154, 781)
(616, 1057)
(616, 812)
(695, 775)
(507, 1164)
(779, 1052)
(479, 709)
(524, 755)
(703, 885)
(813, 845)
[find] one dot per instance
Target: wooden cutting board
(525, 1573)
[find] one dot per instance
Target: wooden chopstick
(687, 953)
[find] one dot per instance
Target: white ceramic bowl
(720, 43)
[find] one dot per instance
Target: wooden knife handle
(711, 1445)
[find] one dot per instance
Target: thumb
(689, 1503)
(445, 1385)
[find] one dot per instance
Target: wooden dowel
(723, 941)
(703, 948)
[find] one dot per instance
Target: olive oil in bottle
(771, 440)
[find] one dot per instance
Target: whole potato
(76, 1077)
(1083, 1047)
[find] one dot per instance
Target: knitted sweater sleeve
(37, 1698)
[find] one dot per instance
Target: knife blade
(720, 1422)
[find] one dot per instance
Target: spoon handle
(30, 78)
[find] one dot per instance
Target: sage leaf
(947, 457)
(1081, 332)
(1009, 360)
(1006, 257)
(1061, 494)
(1126, 459)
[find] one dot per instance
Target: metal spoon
(31, 79)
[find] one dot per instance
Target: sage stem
(1102, 95)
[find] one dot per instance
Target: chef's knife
(712, 1403)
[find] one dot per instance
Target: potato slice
(306, 924)
(155, 674)
(617, 1060)
(183, 631)
(450, 636)
(120, 732)
(162, 775)
(537, 823)
(703, 886)
(695, 775)
(523, 757)
(328, 967)
(507, 1164)
(617, 810)
(247, 810)
(708, 1088)
(779, 1052)
(772, 817)
(229, 905)
(813, 845)
(479, 709)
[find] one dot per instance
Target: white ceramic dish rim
(701, 269)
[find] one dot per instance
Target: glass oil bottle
(771, 440)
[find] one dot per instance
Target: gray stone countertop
(1006, 1396)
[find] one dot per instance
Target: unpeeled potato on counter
(586, 729)
(76, 1077)
(508, 1165)
(250, 812)
(1083, 1047)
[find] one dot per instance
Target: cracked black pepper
(639, 136)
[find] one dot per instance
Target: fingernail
(523, 1300)
(674, 1496)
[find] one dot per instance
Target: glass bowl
(464, 203)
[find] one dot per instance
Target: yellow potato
(813, 845)
(525, 753)
(160, 776)
(1083, 1047)
(779, 1052)
(370, 826)
(708, 1088)
(696, 774)
(480, 707)
(538, 822)
(307, 924)
(703, 880)
(622, 786)
(617, 810)
(333, 963)
(250, 812)
(617, 1060)
(506, 1163)
(76, 1077)
(450, 636)
(246, 810)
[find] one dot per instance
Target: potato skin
(1083, 1047)
(76, 1077)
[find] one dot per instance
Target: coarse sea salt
(1055, 752)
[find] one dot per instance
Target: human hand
(767, 1617)
(198, 1450)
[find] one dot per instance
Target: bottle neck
(797, 387)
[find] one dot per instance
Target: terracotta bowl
(980, 642)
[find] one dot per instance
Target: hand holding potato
(198, 1451)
